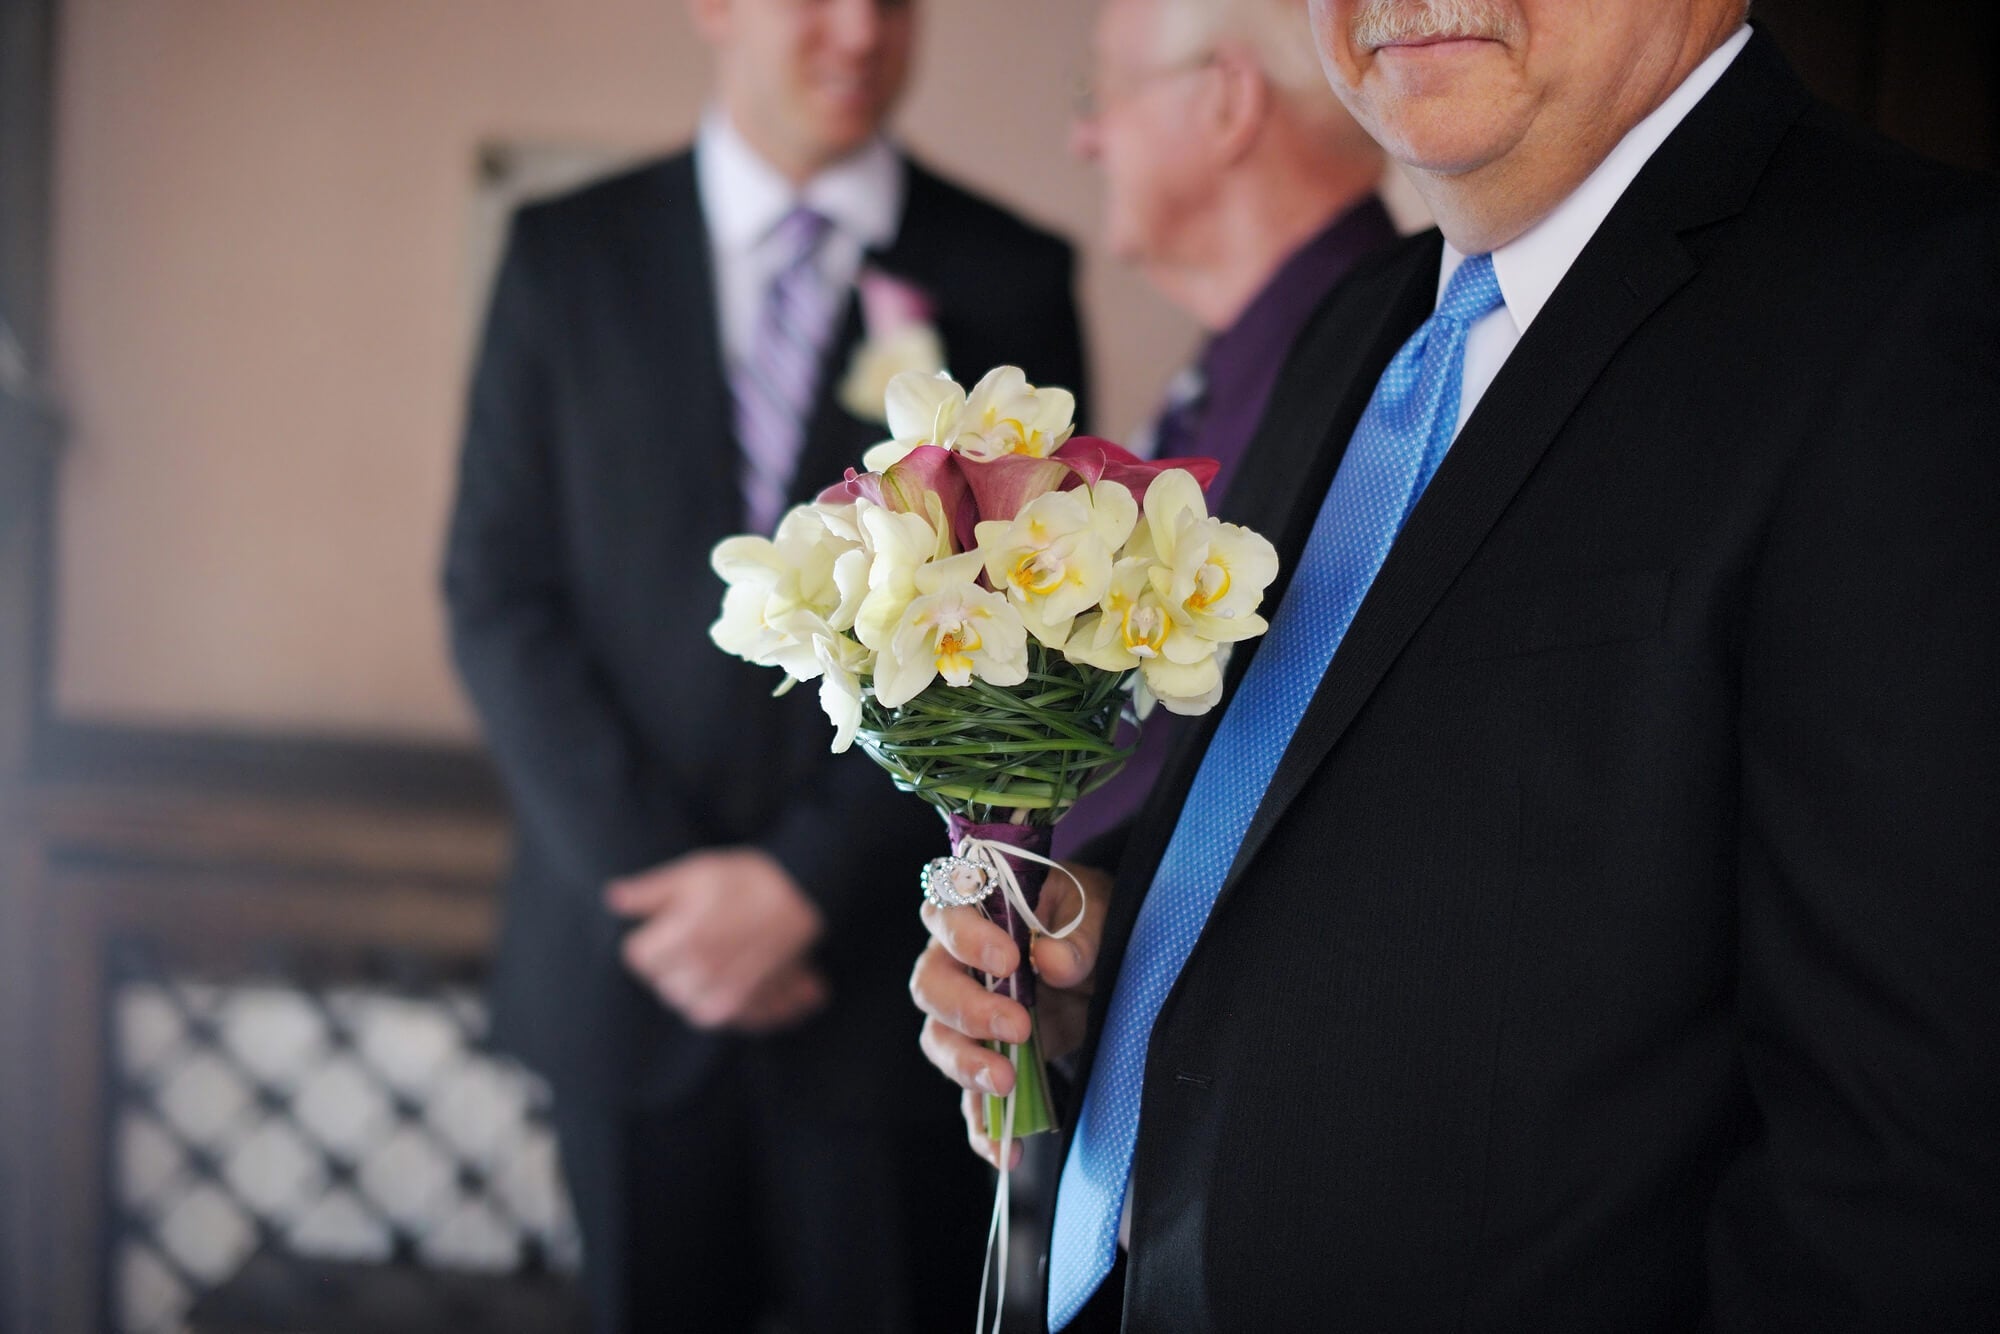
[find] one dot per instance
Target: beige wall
(262, 218)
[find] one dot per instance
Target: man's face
(1142, 131)
(1451, 86)
(809, 80)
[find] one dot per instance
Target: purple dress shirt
(1237, 371)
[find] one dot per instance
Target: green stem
(982, 750)
(1034, 1110)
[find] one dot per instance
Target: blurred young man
(698, 952)
(1580, 915)
(1238, 184)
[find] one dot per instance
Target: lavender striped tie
(773, 383)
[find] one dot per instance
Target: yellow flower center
(1211, 585)
(1145, 628)
(1020, 439)
(955, 649)
(1038, 573)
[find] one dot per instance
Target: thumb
(1067, 962)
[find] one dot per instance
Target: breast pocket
(1552, 614)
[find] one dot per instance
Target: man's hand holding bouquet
(981, 607)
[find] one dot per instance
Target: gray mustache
(1384, 22)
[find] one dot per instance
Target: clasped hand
(722, 936)
(963, 1013)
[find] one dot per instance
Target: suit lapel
(1633, 264)
(912, 255)
(687, 446)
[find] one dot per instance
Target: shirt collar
(743, 197)
(1532, 265)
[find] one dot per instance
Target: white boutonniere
(898, 335)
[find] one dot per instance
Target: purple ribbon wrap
(1030, 874)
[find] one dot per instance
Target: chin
(1444, 113)
(840, 133)
(848, 118)
(1440, 136)
(1123, 238)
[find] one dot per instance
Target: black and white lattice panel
(348, 1123)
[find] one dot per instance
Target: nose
(1085, 142)
(856, 25)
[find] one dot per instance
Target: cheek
(1331, 22)
(1146, 180)
(897, 43)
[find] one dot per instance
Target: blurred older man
(696, 951)
(1236, 181)
(1581, 914)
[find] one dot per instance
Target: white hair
(1278, 33)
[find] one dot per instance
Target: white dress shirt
(1530, 266)
(743, 199)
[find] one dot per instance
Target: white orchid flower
(743, 630)
(1137, 629)
(809, 579)
(842, 665)
(1130, 626)
(842, 518)
(1190, 690)
(897, 545)
(921, 410)
(954, 629)
(915, 349)
(1211, 574)
(1187, 587)
(1005, 415)
(1054, 559)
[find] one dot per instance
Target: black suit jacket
(599, 469)
(1618, 946)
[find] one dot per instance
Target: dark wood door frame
(27, 78)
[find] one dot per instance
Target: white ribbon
(994, 855)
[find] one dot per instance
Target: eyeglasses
(1089, 96)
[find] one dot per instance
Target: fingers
(972, 1067)
(641, 895)
(656, 953)
(642, 949)
(943, 990)
(709, 1000)
(967, 935)
(707, 1010)
(973, 1105)
(1066, 963)
(962, 1013)
(783, 1002)
(1058, 903)
(655, 950)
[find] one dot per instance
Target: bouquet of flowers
(981, 606)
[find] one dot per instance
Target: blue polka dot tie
(1396, 448)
